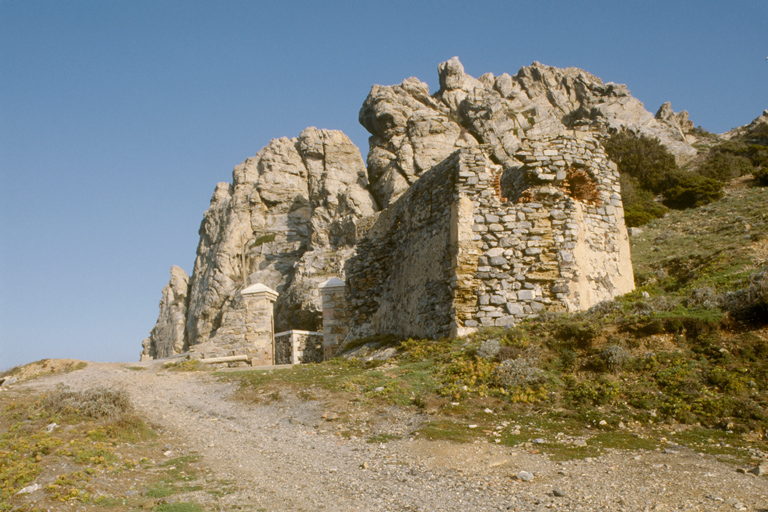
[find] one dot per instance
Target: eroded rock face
(287, 220)
(167, 337)
(413, 130)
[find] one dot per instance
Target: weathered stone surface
(287, 220)
(424, 268)
(413, 130)
(167, 337)
(757, 125)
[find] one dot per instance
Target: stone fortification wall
(550, 233)
(471, 244)
(400, 279)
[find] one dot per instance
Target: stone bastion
(472, 245)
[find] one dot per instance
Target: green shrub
(751, 303)
(597, 392)
(519, 373)
(615, 357)
(640, 207)
(582, 334)
(643, 158)
(725, 166)
(761, 176)
(689, 190)
(701, 132)
(97, 402)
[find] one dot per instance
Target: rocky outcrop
(292, 215)
(413, 130)
(167, 337)
(288, 220)
(756, 131)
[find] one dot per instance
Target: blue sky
(118, 118)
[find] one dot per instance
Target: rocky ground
(286, 455)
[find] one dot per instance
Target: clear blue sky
(118, 118)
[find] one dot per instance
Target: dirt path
(285, 457)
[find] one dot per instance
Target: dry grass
(95, 403)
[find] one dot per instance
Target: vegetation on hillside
(652, 182)
(87, 449)
(687, 351)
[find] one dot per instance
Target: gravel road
(285, 456)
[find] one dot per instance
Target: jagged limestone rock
(281, 222)
(412, 130)
(167, 337)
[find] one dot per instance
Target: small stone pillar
(259, 323)
(335, 324)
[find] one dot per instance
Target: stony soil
(285, 456)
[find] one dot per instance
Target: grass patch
(81, 433)
(447, 430)
(382, 438)
(178, 507)
(669, 355)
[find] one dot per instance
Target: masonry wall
(400, 280)
(551, 236)
(247, 328)
(472, 245)
(296, 347)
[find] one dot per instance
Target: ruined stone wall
(400, 280)
(550, 233)
(471, 244)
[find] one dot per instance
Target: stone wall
(471, 244)
(297, 347)
(335, 319)
(550, 233)
(400, 279)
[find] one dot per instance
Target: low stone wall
(297, 347)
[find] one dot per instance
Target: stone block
(505, 321)
(526, 295)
